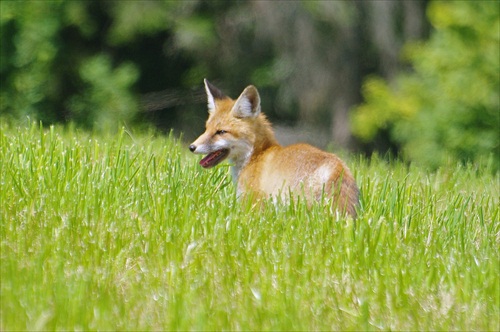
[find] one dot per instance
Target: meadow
(128, 232)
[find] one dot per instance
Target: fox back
(239, 131)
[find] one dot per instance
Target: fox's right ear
(212, 94)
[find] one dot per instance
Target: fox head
(233, 129)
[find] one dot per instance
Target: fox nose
(192, 147)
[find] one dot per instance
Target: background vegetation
(449, 106)
(103, 64)
(127, 232)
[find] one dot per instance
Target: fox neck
(262, 140)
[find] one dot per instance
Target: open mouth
(214, 158)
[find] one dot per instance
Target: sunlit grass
(128, 232)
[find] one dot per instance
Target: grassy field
(129, 232)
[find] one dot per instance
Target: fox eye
(220, 132)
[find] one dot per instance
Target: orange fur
(262, 166)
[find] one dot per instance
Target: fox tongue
(214, 158)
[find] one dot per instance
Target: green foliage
(449, 107)
(62, 62)
(29, 49)
(128, 232)
(107, 100)
(36, 71)
(87, 61)
(136, 19)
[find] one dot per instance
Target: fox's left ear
(248, 103)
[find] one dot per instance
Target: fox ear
(248, 103)
(212, 94)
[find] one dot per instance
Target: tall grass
(128, 232)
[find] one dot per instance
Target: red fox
(238, 130)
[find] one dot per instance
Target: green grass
(129, 232)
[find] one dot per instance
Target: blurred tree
(449, 107)
(106, 99)
(110, 62)
(324, 48)
(50, 77)
(29, 48)
(83, 61)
